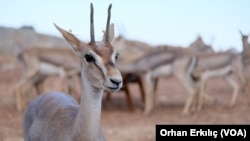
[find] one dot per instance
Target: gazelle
(57, 116)
(245, 53)
(156, 63)
(226, 64)
(199, 47)
(246, 62)
(40, 62)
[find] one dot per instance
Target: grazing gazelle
(56, 116)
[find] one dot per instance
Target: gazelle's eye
(89, 58)
(116, 56)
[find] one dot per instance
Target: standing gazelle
(246, 61)
(56, 116)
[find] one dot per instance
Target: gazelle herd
(139, 62)
(192, 69)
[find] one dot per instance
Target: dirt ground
(120, 124)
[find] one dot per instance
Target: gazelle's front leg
(235, 86)
(71, 86)
(39, 83)
(202, 94)
(202, 91)
(154, 88)
(20, 104)
(191, 91)
(70, 83)
(247, 91)
(64, 80)
(148, 89)
(245, 80)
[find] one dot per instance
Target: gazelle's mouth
(112, 88)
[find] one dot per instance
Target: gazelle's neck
(245, 44)
(88, 117)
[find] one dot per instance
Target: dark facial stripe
(100, 69)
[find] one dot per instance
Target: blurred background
(170, 22)
(28, 23)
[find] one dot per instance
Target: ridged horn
(92, 32)
(108, 22)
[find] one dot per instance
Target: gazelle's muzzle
(114, 82)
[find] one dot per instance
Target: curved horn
(92, 32)
(108, 22)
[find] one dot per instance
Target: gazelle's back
(46, 114)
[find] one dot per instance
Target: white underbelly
(165, 70)
(218, 72)
(49, 69)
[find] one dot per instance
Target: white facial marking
(114, 56)
(99, 62)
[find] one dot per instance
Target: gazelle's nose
(117, 82)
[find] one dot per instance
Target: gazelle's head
(243, 36)
(97, 58)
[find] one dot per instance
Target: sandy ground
(120, 124)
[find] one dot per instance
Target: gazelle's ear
(111, 33)
(74, 42)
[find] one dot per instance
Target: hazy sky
(174, 22)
